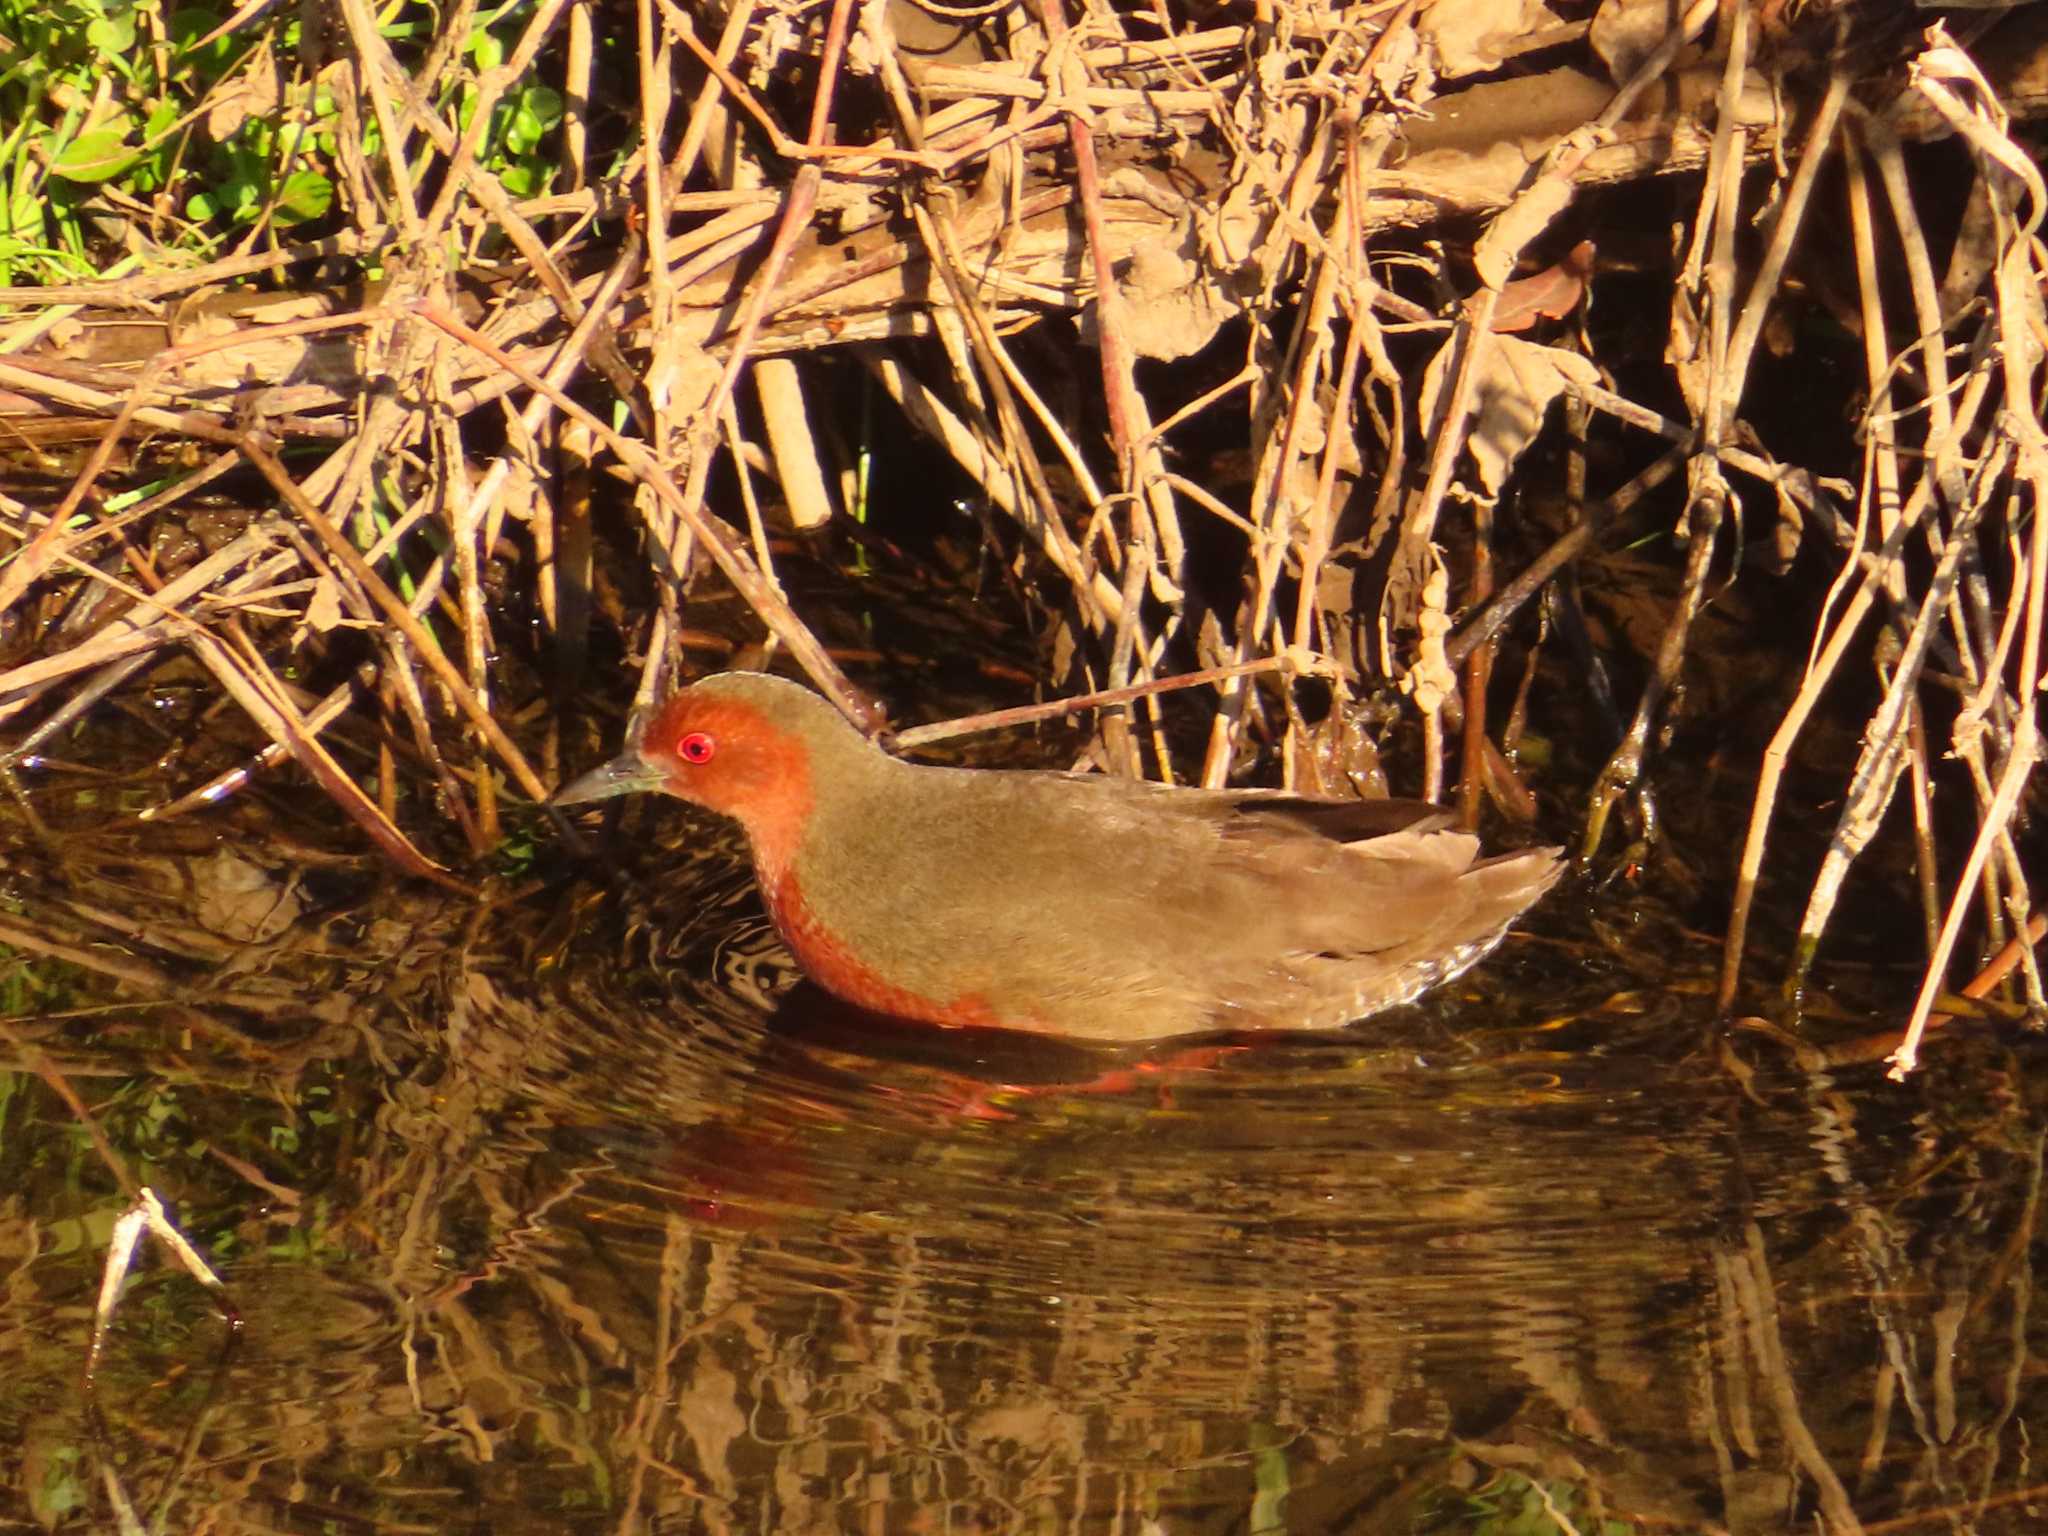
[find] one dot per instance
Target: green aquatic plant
(132, 124)
(1511, 1504)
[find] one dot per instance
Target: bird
(1096, 908)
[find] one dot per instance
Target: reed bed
(497, 297)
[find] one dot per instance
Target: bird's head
(744, 744)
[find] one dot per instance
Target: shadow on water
(565, 1212)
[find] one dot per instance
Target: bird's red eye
(697, 747)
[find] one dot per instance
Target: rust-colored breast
(828, 962)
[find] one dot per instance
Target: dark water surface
(556, 1213)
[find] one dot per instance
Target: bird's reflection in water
(823, 1068)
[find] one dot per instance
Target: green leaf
(64, 1490)
(95, 155)
(189, 24)
(113, 34)
(544, 102)
(21, 216)
(306, 195)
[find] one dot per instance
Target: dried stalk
(1708, 492)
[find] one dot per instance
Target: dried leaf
(1626, 32)
(1471, 37)
(1517, 382)
(1785, 533)
(240, 901)
(1172, 308)
(1685, 350)
(1550, 294)
(323, 612)
(1954, 87)
(1521, 221)
(1396, 69)
(253, 93)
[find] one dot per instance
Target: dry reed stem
(1472, 762)
(1100, 600)
(1943, 74)
(486, 500)
(251, 683)
(1707, 492)
(1274, 510)
(1748, 329)
(325, 713)
(1060, 709)
(131, 631)
(738, 569)
(792, 446)
(1821, 666)
(701, 438)
(1877, 774)
(396, 612)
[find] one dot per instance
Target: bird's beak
(627, 774)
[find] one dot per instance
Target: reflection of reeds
(1181, 191)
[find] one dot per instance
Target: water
(564, 1213)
